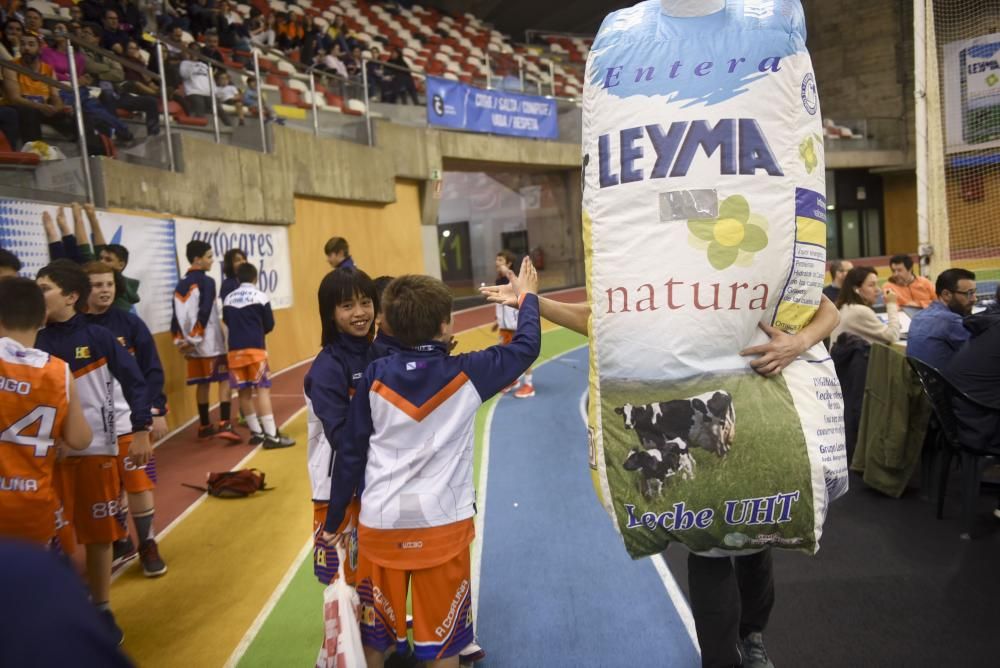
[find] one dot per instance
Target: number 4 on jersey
(19, 433)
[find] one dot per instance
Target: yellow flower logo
(807, 151)
(732, 238)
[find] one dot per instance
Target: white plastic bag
(342, 646)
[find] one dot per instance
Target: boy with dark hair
(139, 481)
(198, 335)
(9, 264)
(409, 440)
(338, 253)
(89, 482)
(247, 314)
(44, 408)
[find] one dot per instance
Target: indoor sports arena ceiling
(515, 16)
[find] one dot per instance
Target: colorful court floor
(551, 569)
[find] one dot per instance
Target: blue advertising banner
(452, 104)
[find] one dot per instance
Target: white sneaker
(471, 653)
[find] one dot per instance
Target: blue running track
(556, 586)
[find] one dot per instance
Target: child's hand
(140, 450)
(891, 297)
(527, 282)
(50, 227)
(332, 539)
(500, 294)
(159, 427)
(61, 221)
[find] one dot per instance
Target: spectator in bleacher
(857, 296)
(312, 40)
(263, 32)
(174, 12)
(354, 63)
(130, 17)
(99, 116)
(33, 20)
(838, 270)
(99, 67)
(57, 55)
(197, 88)
(76, 14)
(290, 32)
(402, 79)
(10, 42)
(176, 36)
(114, 38)
(325, 60)
(227, 93)
(202, 16)
(137, 82)
(93, 10)
(910, 289)
(35, 101)
(251, 98)
(937, 332)
(210, 49)
(376, 75)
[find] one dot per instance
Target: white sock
(527, 378)
(253, 424)
(269, 427)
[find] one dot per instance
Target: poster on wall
(452, 104)
(972, 93)
(150, 242)
(266, 247)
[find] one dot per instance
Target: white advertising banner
(972, 93)
(266, 247)
(150, 242)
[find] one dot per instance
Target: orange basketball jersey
(34, 402)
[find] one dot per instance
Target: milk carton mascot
(716, 418)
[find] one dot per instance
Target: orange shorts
(201, 370)
(326, 561)
(442, 612)
(506, 336)
(248, 369)
(135, 478)
(90, 488)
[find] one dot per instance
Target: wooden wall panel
(385, 239)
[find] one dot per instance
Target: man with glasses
(937, 332)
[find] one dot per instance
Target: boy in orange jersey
(409, 443)
(39, 410)
(89, 480)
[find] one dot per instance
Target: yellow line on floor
(226, 558)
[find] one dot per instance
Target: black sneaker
(124, 551)
(754, 654)
(256, 437)
(277, 441)
(109, 621)
(152, 564)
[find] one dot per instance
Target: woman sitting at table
(857, 296)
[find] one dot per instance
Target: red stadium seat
(8, 156)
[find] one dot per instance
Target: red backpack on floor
(234, 484)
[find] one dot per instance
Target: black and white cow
(707, 421)
(659, 463)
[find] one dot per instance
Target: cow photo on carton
(704, 224)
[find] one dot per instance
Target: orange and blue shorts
(248, 368)
(441, 595)
(202, 370)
